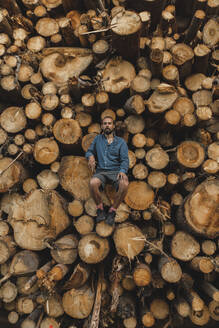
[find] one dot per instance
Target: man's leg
(95, 184)
(120, 195)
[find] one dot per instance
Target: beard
(108, 131)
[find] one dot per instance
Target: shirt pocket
(113, 151)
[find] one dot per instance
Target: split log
(65, 249)
(72, 61)
(23, 262)
(79, 276)
(38, 224)
(162, 98)
(12, 172)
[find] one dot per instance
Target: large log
(201, 209)
(73, 172)
(34, 224)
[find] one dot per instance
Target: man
(108, 155)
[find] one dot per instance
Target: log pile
(153, 67)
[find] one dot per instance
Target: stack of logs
(152, 65)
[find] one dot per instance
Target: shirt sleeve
(124, 158)
(92, 149)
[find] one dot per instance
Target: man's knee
(95, 183)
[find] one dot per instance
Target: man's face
(107, 126)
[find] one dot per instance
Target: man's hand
(92, 163)
(121, 176)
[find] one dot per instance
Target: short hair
(107, 116)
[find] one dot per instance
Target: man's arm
(90, 155)
(124, 158)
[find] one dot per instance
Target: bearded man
(108, 160)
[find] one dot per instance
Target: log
(92, 248)
(72, 61)
(140, 86)
(65, 249)
(13, 119)
(67, 131)
(142, 275)
(170, 269)
(190, 154)
(79, 276)
(8, 292)
(78, 303)
(38, 225)
(126, 34)
(213, 309)
(190, 246)
(157, 158)
(53, 306)
(182, 58)
(159, 308)
(46, 151)
(206, 223)
(23, 262)
(139, 196)
(12, 172)
(162, 98)
(7, 248)
(128, 239)
(209, 33)
(116, 80)
(200, 318)
(182, 307)
(73, 172)
(84, 224)
(202, 53)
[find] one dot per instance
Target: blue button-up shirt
(112, 156)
